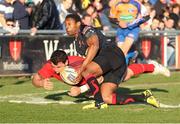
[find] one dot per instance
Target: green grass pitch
(20, 102)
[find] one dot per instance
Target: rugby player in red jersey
(60, 59)
(50, 69)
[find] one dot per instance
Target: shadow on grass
(14, 81)
(56, 96)
(87, 97)
(21, 81)
(123, 90)
(1, 86)
(84, 97)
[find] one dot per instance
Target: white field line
(169, 106)
(45, 102)
(30, 99)
(33, 98)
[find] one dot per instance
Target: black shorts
(112, 62)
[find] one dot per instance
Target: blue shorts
(122, 33)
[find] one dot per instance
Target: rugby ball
(68, 75)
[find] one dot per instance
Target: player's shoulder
(86, 28)
(117, 4)
(47, 63)
(47, 70)
(47, 66)
(88, 31)
(135, 2)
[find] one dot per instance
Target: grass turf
(165, 89)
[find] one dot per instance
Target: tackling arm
(93, 43)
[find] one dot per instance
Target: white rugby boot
(159, 69)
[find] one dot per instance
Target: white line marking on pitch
(34, 99)
(169, 106)
(42, 101)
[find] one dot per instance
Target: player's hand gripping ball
(68, 75)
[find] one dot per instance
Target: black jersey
(109, 56)
(85, 33)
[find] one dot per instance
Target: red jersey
(47, 70)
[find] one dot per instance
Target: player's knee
(107, 91)
(107, 99)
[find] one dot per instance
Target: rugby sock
(141, 68)
(94, 88)
(126, 99)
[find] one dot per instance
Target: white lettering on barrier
(72, 49)
(50, 46)
(15, 66)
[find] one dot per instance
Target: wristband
(83, 88)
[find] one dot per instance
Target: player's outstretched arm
(39, 82)
(76, 91)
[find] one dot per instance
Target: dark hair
(58, 56)
(75, 17)
(9, 19)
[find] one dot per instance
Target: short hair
(58, 56)
(9, 19)
(75, 17)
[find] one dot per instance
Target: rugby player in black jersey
(103, 57)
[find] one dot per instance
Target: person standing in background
(63, 7)
(175, 14)
(129, 15)
(6, 12)
(45, 16)
(22, 13)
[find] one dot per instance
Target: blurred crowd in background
(37, 15)
(50, 14)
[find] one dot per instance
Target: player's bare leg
(129, 74)
(126, 45)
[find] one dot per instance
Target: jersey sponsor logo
(15, 49)
(146, 48)
(126, 17)
(132, 11)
